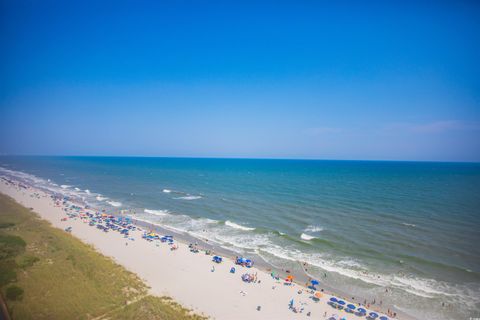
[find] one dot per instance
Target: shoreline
(231, 300)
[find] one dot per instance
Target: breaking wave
(306, 237)
(409, 224)
(237, 226)
(312, 228)
(114, 203)
(188, 198)
(157, 212)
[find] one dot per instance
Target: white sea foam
(237, 226)
(114, 203)
(160, 213)
(87, 191)
(147, 221)
(77, 189)
(65, 186)
(313, 228)
(409, 224)
(250, 242)
(422, 287)
(167, 190)
(188, 198)
(100, 198)
(350, 263)
(307, 237)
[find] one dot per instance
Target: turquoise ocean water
(404, 233)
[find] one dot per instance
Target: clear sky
(300, 79)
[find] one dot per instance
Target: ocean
(404, 233)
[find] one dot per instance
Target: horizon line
(232, 158)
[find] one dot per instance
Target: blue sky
(299, 79)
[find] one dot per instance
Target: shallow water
(404, 233)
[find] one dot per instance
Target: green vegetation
(6, 225)
(153, 308)
(14, 292)
(46, 273)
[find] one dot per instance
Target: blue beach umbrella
(314, 282)
(373, 315)
(361, 310)
(341, 302)
(383, 318)
(351, 307)
(333, 299)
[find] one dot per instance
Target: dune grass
(46, 273)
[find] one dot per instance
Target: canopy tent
(217, 259)
(244, 262)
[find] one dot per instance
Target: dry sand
(186, 276)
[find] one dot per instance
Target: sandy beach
(192, 279)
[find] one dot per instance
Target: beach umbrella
(314, 282)
(289, 278)
(373, 315)
(318, 295)
(361, 310)
(351, 306)
(333, 299)
(341, 302)
(383, 318)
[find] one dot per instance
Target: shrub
(7, 274)
(14, 292)
(27, 261)
(11, 246)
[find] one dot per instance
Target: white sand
(185, 276)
